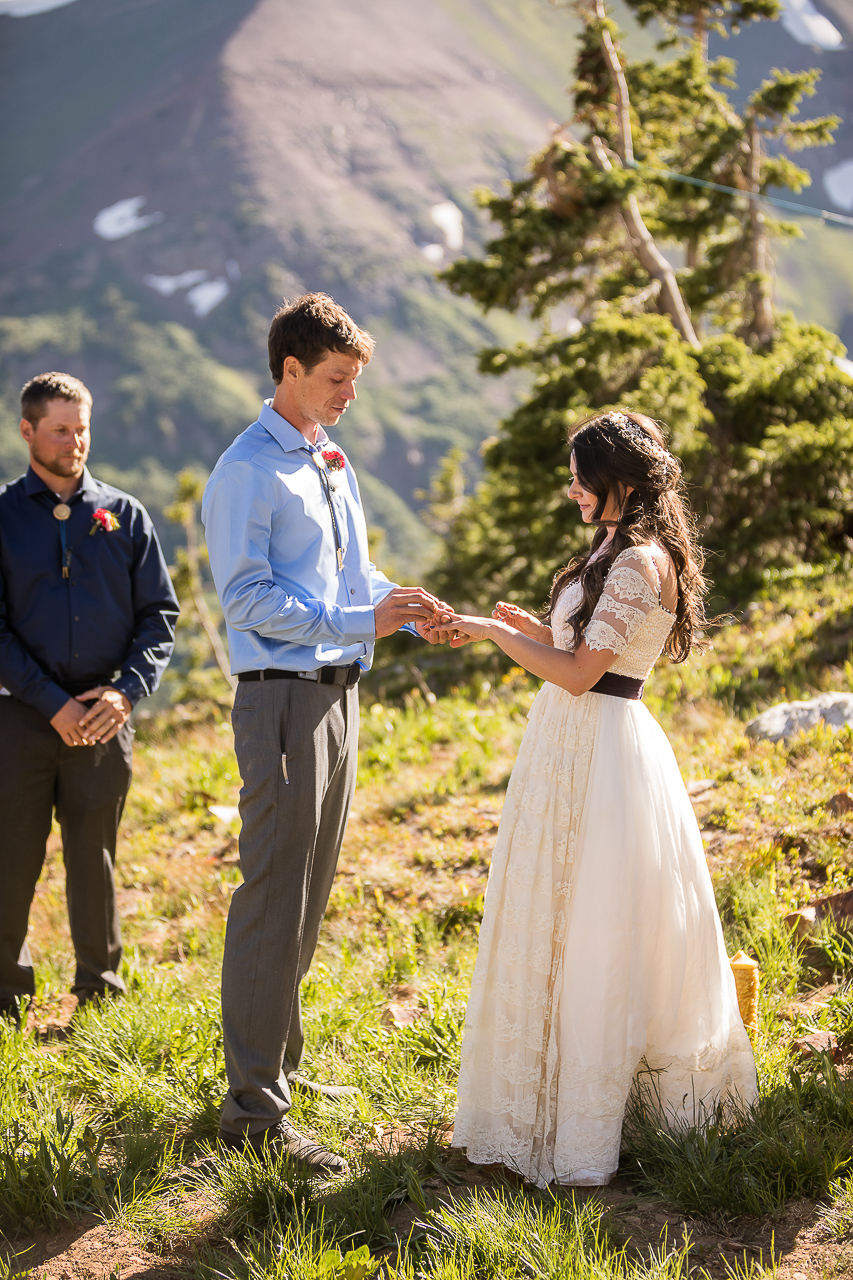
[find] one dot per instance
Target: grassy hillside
(126, 1099)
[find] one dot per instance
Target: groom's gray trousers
(296, 743)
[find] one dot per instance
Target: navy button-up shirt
(114, 613)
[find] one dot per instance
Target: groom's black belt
(619, 686)
(345, 676)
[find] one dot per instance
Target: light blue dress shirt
(273, 555)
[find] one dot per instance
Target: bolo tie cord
(327, 490)
(66, 553)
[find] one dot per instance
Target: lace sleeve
(631, 590)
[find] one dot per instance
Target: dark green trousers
(87, 788)
(297, 744)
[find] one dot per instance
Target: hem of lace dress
(495, 1155)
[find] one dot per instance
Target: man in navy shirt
(87, 614)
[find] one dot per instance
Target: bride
(601, 952)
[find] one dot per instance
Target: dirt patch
(86, 1249)
(797, 1242)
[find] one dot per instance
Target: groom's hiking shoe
(303, 1085)
(283, 1140)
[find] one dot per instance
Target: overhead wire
(807, 210)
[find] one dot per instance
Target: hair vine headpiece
(626, 426)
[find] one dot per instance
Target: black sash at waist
(616, 686)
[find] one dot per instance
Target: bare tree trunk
(642, 241)
(650, 256)
(759, 261)
(199, 601)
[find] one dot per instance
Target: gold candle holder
(746, 973)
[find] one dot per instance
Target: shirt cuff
(359, 624)
(50, 700)
(131, 686)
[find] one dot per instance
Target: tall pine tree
(671, 286)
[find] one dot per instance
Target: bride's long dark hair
(613, 451)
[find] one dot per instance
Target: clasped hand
(82, 726)
(462, 628)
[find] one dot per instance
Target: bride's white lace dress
(601, 951)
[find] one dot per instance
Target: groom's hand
(441, 629)
(407, 604)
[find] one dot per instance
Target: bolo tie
(61, 512)
(317, 456)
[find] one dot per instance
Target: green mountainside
(173, 167)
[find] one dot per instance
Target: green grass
(796, 1141)
(120, 1119)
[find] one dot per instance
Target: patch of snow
(28, 8)
(448, 218)
(802, 21)
(204, 297)
(167, 285)
(232, 269)
(123, 218)
(846, 366)
(433, 253)
(838, 182)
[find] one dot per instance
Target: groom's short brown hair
(310, 326)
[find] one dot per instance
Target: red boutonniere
(334, 459)
(103, 519)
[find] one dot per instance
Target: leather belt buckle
(308, 675)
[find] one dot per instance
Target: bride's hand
(524, 622)
(463, 629)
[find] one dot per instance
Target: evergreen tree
(757, 408)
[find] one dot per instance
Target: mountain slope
(172, 167)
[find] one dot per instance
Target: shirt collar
(281, 430)
(35, 484)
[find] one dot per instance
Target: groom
(303, 605)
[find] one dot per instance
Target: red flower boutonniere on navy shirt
(103, 519)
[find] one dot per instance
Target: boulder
(841, 802)
(806, 922)
(788, 718)
(814, 1045)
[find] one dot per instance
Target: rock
(226, 813)
(839, 906)
(803, 923)
(788, 718)
(400, 1015)
(841, 802)
(820, 1042)
(806, 921)
(699, 786)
